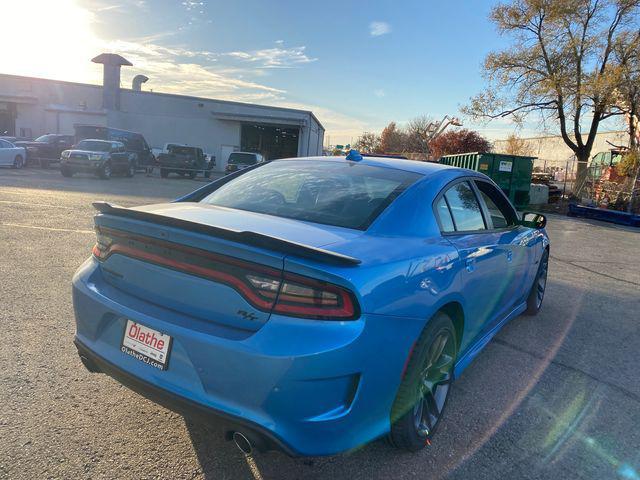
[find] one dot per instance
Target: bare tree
(558, 66)
(627, 56)
(417, 132)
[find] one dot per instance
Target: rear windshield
(242, 159)
(94, 146)
(332, 193)
(181, 150)
(45, 138)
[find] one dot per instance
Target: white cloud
(180, 70)
(379, 92)
(276, 57)
(193, 5)
(379, 28)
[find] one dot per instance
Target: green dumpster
(512, 173)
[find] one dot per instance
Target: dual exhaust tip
(243, 443)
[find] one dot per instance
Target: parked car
(239, 160)
(313, 304)
(183, 160)
(99, 157)
(12, 139)
(46, 149)
(11, 154)
(134, 143)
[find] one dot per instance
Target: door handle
(470, 264)
(509, 256)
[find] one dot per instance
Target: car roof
(98, 140)
(423, 168)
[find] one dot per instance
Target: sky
(356, 64)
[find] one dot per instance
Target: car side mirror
(533, 220)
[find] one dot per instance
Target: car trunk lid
(199, 261)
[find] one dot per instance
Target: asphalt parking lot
(553, 396)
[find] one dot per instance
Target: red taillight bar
(324, 300)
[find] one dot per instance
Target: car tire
(105, 171)
(18, 162)
(192, 174)
(164, 173)
(536, 294)
(424, 390)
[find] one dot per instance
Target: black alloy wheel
(423, 393)
(536, 295)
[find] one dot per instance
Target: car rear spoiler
(246, 237)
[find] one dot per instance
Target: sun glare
(49, 39)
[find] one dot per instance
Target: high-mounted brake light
(265, 288)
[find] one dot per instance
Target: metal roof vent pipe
(111, 79)
(138, 80)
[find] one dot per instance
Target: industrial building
(30, 107)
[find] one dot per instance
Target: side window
(465, 209)
(501, 213)
(444, 215)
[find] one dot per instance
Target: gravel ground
(553, 396)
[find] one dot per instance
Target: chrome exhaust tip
(243, 443)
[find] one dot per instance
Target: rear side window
(242, 159)
(333, 193)
(500, 211)
(444, 215)
(464, 208)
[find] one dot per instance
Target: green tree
(558, 66)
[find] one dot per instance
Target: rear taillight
(305, 297)
(265, 288)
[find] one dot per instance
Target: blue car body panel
(320, 387)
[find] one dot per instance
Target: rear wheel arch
(456, 313)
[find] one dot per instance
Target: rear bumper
(90, 167)
(306, 387)
(261, 438)
(80, 167)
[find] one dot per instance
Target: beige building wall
(553, 152)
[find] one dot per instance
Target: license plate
(146, 344)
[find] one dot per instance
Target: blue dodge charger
(309, 305)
